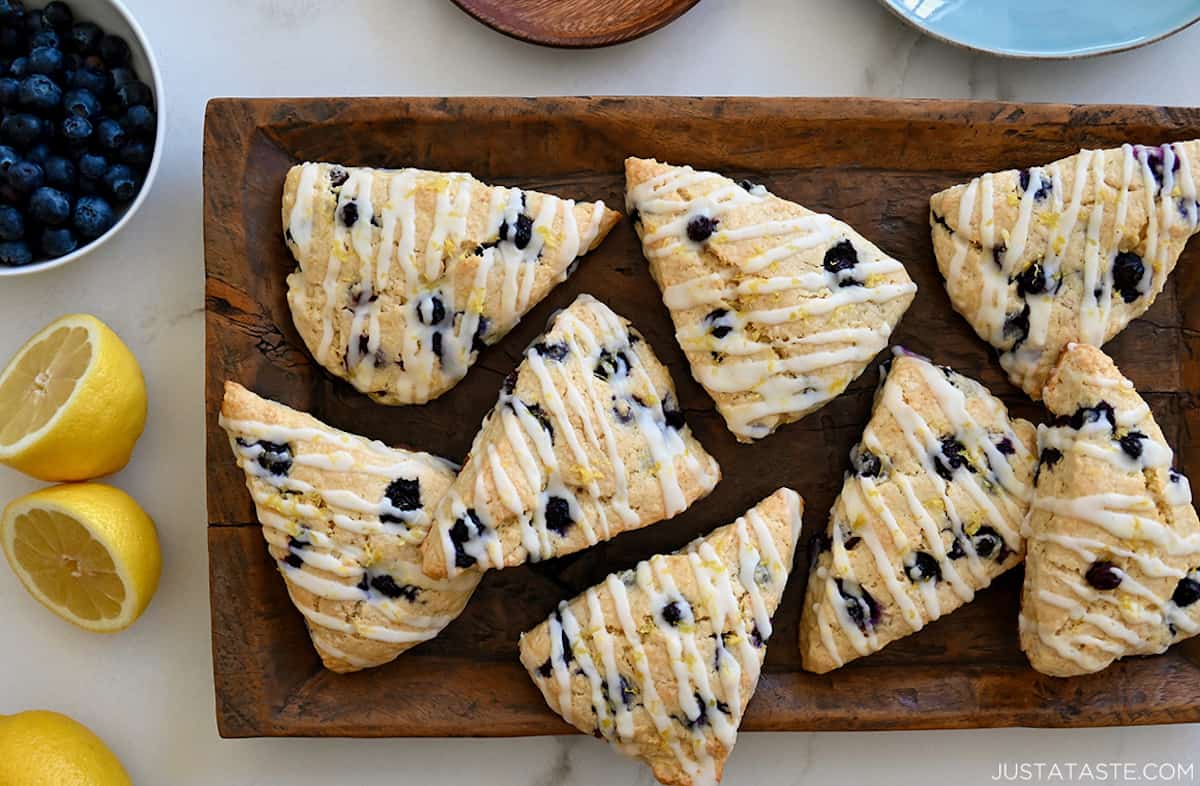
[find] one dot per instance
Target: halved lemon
(86, 551)
(72, 402)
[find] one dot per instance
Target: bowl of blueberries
(80, 132)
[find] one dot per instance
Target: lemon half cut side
(86, 551)
(72, 402)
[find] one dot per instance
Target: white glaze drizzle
(340, 533)
(428, 356)
(1077, 244)
(762, 383)
(1108, 624)
(577, 407)
(758, 575)
(863, 510)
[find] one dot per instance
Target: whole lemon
(43, 748)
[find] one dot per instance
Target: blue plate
(1048, 28)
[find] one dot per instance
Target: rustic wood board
(575, 24)
(873, 163)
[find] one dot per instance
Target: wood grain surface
(575, 24)
(873, 163)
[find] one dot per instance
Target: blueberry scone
(1114, 543)
(929, 514)
(405, 275)
(1072, 251)
(585, 442)
(662, 660)
(343, 517)
(778, 308)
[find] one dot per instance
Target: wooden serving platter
(872, 163)
(575, 24)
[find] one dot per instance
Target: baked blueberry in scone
(1072, 251)
(1113, 568)
(929, 514)
(778, 308)
(661, 660)
(343, 517)
(404, 276)
(585, 442)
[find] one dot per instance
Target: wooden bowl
(575, 24)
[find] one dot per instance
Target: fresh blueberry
(49, 206)
(402, 494)
(9, 88)
(1127, 272)
(25, 177)
(19, 67)
(12, 223)
(8, 157)
(924, 567)
(121, 75)
(558, 516)
(40, 93)
(84, 37)
(114, 50)
(134, 93)
(14, 253)
(46, 60)
(58, 241)
(700, 228)
(110, 136)
(82, 102)
(1104, 575)
(140, 121)
(38, 154)
(45, 38)
(77, 130)
(121, 183)
(841, 256)
(95, 81)
(11, 9)
(93, 216)
(138, 153)
(58, 15)
(92, 165)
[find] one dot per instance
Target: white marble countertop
(149, 691)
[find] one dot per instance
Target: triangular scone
(930, 513)
(1114, 543)
(662, 660)
(1072, 251)
(778, 308)
(585, 442)
(343, 517)
(405, 275)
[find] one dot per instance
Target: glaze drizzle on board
(1085, 245)
(343, 517)
(1113, 566)
(777, 307)
(405, 275)
(928, 515)
(680, 638)
(586, 441)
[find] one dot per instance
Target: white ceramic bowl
(113, 17)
